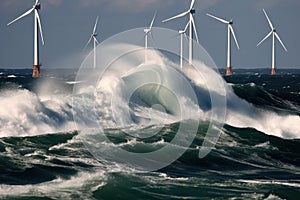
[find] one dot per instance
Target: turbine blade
(40, 26)
(269, 21)
(150, 33)
(217, 18)
(194, 28)
(36, 2)
(177, 16)
(187, 25)
(25, 14)
(192, 4)
(276, 34)
(152, 22)
(88, 42)
(264, 38)
(233, 34)
(185, 37)
(95, 39)
(95, 26)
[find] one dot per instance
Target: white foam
(271, 182)
(23, 114)
(285, 126)
(73, 82)
(83, 184)
(273, 197)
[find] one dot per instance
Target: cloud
(139, 6)
(13, 6)
(200, 5)
(10, 6)
(54, 2)
(120, 6)
(125, 6)
(267, 4)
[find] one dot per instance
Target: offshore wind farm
(192, 27)
(95, 42)
(229, 34)
(37, 29)
(150, 112)
(147, 33)
(274, 35)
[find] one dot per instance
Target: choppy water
(256, 157)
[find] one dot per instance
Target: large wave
(118, 100)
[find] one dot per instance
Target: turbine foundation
(36, 71)
(228, 71)
(273, 72)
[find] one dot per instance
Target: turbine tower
(93, 36)
(147, 32)
(192, 27)
(182, 32)
(230, 31)
(37, 28)
(274, 34)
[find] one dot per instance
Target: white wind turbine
(37, 28)
(182, 32)
(191, 11)
(274, 34)
(93, 36)
(230, 31)
(147, 32)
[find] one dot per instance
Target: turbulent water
(256, 157)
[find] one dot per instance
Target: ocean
(43, 155)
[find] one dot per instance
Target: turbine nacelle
(181, 31)
(147, 30)
(184, 30)
(192, 11)
(37, 6)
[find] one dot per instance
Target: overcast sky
(67, 25)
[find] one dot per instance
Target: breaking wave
(133, 95)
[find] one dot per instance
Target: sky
(67, 26)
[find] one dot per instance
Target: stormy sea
(43, 154)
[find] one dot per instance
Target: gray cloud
(13, 6)
(274, 3)
(267, 4)
(125, 6)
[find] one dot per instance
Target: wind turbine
(192, 27)
(93, 36)
(230, 31)
(37, 28)
(182, 32)
(274, 34)
(147, 32)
